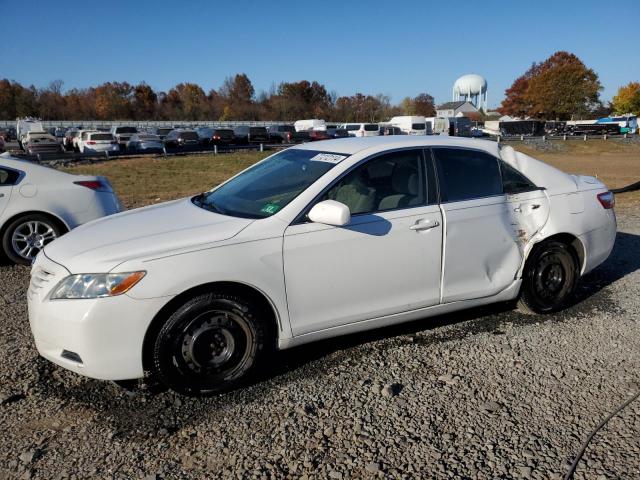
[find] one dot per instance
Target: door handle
(424, 225)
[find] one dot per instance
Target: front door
(386, 261)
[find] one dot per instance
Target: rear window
(223, 131)
(101, 136)
(149, 138)
(189, 136)
(371, 127)
(257, 130)
(126, 130)
(418, 126)
(164, 131)
(467, 174)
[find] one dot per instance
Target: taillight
(607, 200)
(96, 185)
(288, 136)
(91, 142)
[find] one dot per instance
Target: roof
(354, 145)
(451, 105)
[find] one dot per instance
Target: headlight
(96, 285)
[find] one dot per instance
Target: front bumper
(106, 333)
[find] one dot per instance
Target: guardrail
(544, 138)
(66, 158)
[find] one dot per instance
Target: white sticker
(328, 157)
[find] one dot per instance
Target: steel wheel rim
(30, 237)
(550, 278)
(214, 343)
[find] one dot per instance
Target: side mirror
(330, 212)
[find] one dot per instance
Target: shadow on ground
(135, 414)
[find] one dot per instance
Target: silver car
(144, 142)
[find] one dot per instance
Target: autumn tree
(423, 105)
(144, 102)
(113, 101)
(563, 87)
(238, 95)
(516, 103)
(627, 100)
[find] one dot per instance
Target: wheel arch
(237, 288)
(57, 219)
(568, 239)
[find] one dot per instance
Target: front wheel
(26, 236)
(210, 344)
(550, 278)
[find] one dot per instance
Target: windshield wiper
(199, 200)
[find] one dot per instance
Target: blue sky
(396, 48)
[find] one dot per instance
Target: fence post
(261, 147)
(164, 151)
(521, 138)
(215, 149)
(605, 136)
(625, 135)
(498, 138)
(544, 138)
(564, 137)
(106, 155)
(585, 137)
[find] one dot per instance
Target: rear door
(385, 261)
(482, 255)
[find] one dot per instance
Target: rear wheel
(550, 278)
(26, 236)
(210, 344)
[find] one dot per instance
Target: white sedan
(38, 204)
(313, 242)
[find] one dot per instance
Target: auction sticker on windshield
(270, 208)
(328, 157)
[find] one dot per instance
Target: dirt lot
(487, 393)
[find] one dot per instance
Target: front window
(269, 186)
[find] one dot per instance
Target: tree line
(562, 87)
(559, 88)
(236, 99)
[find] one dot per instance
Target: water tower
(471, 88)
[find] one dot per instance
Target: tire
(550, 278)
(210, 344)
(27, 235)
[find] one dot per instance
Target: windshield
(269, 186)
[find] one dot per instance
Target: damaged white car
(314, 242)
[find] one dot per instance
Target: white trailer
(308, 125)
(411, 124)
(439, 125)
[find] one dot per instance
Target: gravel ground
(486, 394)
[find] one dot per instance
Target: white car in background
(361, 129)
(94, 141)
(38, 204)
(310, 244)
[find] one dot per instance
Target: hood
(101, 245)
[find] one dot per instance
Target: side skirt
(369, 324)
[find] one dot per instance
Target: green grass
(143, 181)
